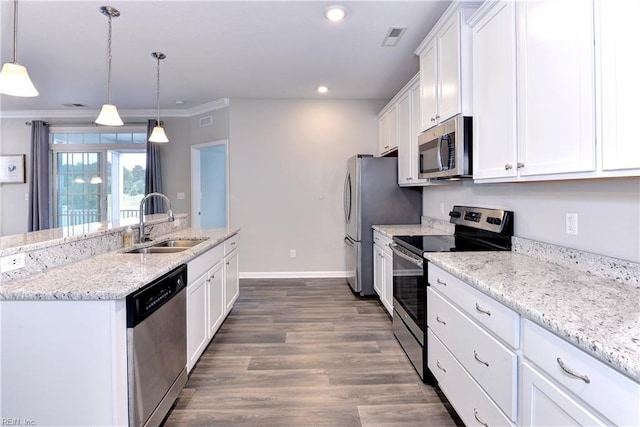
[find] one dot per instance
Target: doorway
(210, 184)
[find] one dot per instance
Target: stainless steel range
(476, 229)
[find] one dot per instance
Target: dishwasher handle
(397, 250)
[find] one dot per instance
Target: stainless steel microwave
(445, 150)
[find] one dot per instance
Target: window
(97, 176)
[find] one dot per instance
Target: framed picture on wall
(13, 169)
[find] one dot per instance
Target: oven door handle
(409, 257)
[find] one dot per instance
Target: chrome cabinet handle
(583, 377)
(483, 311)
(440, 366)
(520, 165)
(475, 415)
(409, 178)
(432, 119)
(440, 282)
(437, 116)
(475, 355)
(508, 167)
(440, 320)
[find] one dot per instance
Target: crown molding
(83, 114)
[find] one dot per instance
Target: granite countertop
(410, 230)
(598, 315)
(112, 275)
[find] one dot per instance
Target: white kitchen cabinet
(215, 299)
(383, 270)
(408, 131)
(388, 129)
(445, 68)
(596, 393)
(231, 280)
(534, 90)
(619, 85)
(197, 322)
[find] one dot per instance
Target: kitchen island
(64, 333)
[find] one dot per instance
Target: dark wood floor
(306, 353)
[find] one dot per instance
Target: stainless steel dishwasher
(156, 347)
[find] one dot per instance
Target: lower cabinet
(212, 290)
(383, 270)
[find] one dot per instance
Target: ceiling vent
(393, 36)
(206, 121)
(75, 105)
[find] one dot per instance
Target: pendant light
(109, 113)
(158, 135)
(14, 78)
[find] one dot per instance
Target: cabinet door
(216, 302)
(449, 69)
(197, 338)
(232, 280)
(387, 282)
(404, 139)
(378, 275)
(556, 104)
(494, 93)
(393, 129)
(545, 404)
(428, 86)
(620, 85)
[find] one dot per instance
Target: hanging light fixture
(14, 78)
(158, 135)
(109, 113)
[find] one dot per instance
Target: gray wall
(15, 138)
(608, 211)
(287, 165)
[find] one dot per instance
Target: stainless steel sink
(167, 247)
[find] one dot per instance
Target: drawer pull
(440, 320)
(475, 355)
(440, 282)
(440, 366)
(475, 415)
(483, 311)
(570, 372)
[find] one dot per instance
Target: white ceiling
(215, 49)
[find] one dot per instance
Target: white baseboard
(292, 274)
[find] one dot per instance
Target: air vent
(75, 105)
(393, 36)
(206, 121)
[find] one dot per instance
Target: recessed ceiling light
(335, 13)
(323, 89)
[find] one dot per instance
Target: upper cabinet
(546, 103)
(619, 83)
(388, 129)
(445, 67)
(408, 131)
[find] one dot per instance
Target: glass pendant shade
(95, 180)
(158, 135)
(109, 116)
(15, 81)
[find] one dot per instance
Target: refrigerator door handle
(348, 241)
(347, 198)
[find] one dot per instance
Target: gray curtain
(153, 178)
(39, 177)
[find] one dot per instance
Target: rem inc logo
(17, 422)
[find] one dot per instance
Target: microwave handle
(439, 154)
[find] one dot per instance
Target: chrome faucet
(145, 237)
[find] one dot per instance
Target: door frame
(195, 179)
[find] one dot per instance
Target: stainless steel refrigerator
(372, 196)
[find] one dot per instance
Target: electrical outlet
(292, 253)
(441, 207)
(572, 223)
(11, 262)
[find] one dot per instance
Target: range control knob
(454, 214)
(494, 220)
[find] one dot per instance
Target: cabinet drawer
(383, 242)
(496, 317)
(202, 263)
(231, 243)
(614, 395)
(488, 361)
(471, 403)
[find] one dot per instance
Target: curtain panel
(153, 177)
(39, 217)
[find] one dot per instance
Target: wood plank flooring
(306, 353)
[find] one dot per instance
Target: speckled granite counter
(599, 315)
(427, 227)
(112, 275)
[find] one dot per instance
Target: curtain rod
(28, 123)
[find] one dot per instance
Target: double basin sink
(167, 247)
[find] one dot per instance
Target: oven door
(409, 290)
